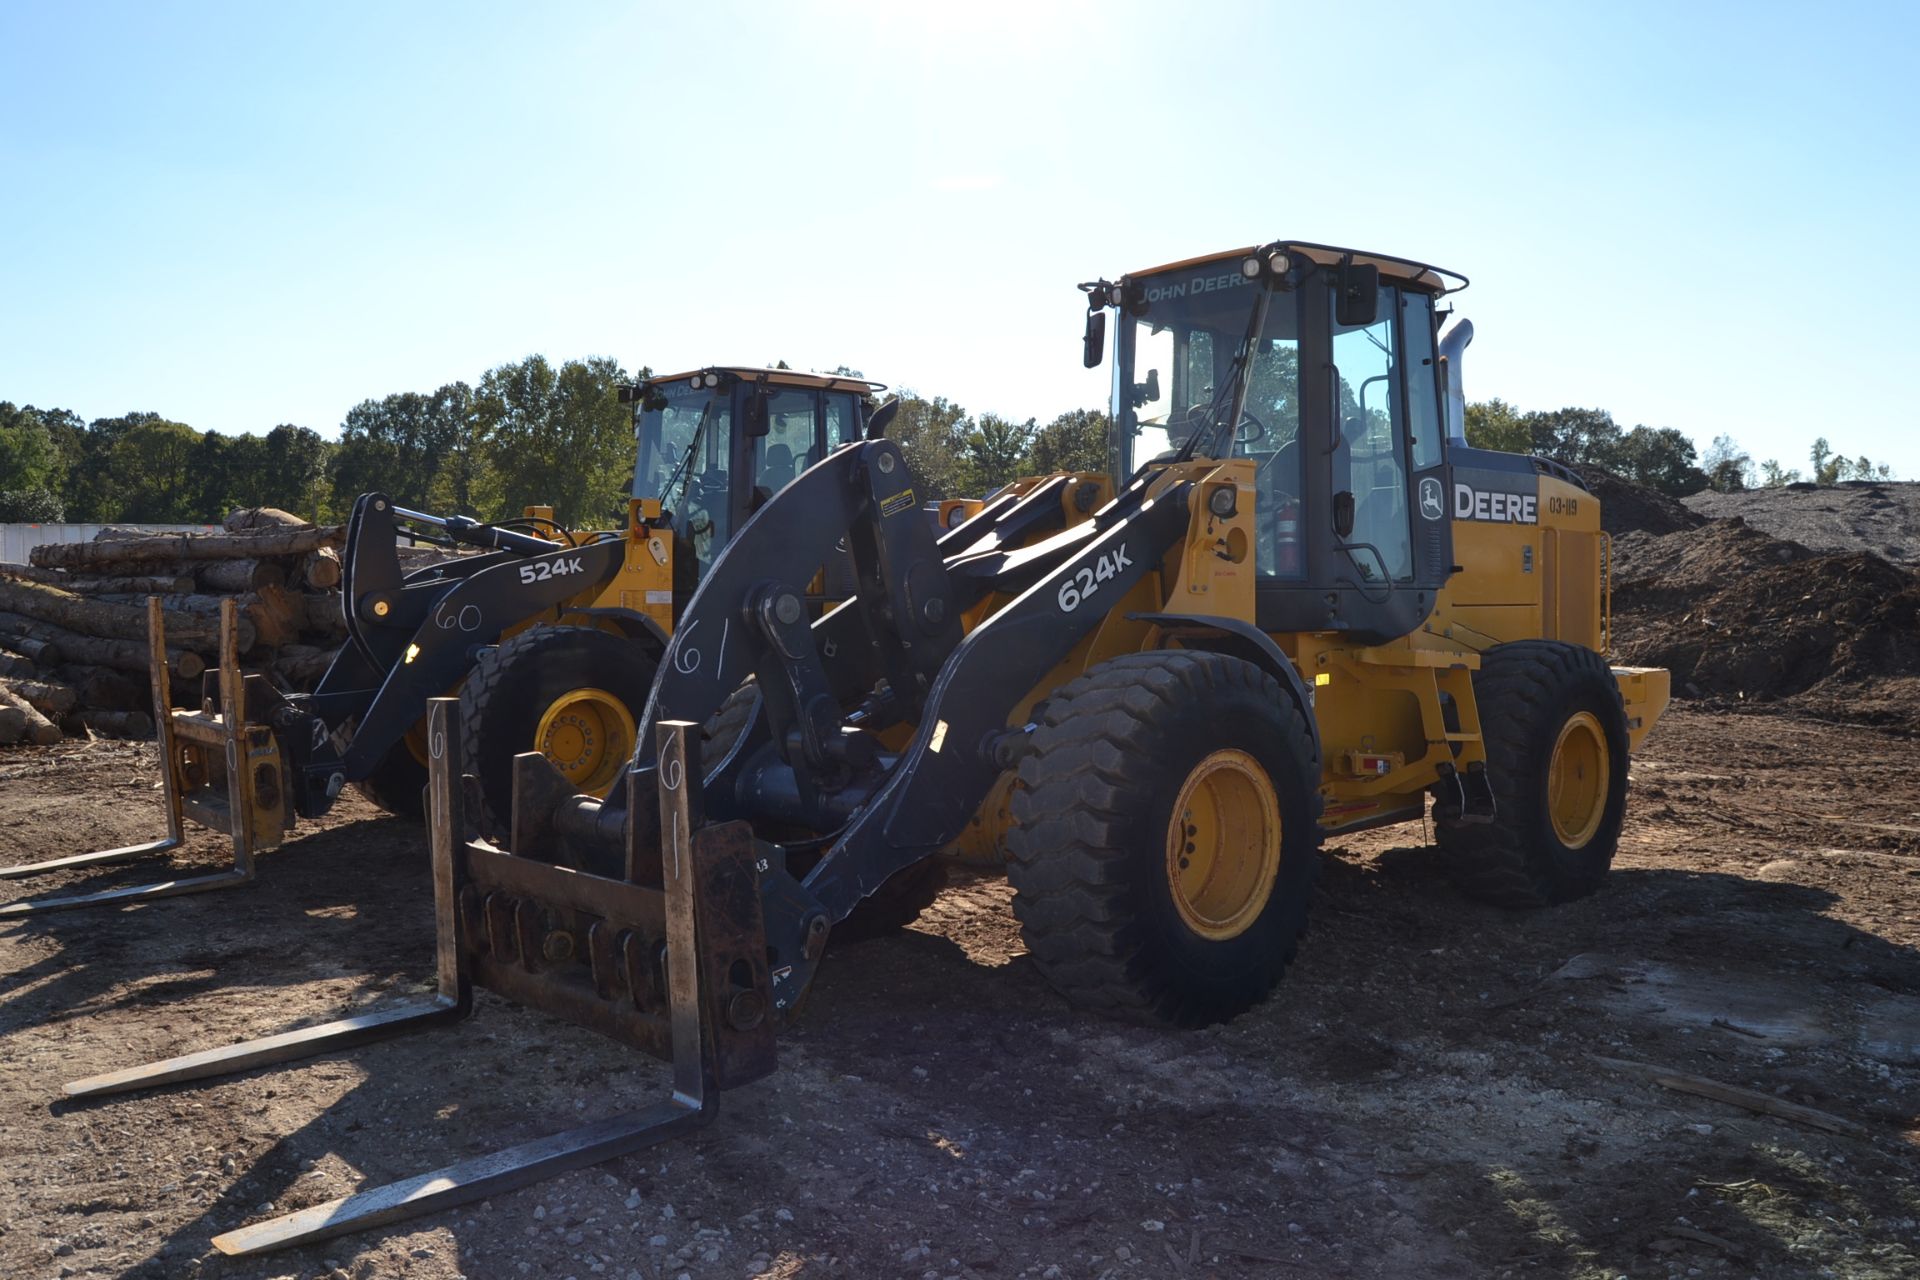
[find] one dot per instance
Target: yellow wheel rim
(1223, 845)
(1577, 780)
(587, 734)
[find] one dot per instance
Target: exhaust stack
(1453, 345)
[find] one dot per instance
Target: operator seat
(776, 469)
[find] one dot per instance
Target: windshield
(1185, 366)
(684, 434)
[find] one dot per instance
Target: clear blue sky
(1692, 215)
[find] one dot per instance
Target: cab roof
(1438, 280)
(779, 377)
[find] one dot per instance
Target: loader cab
(715, 444)
(1318, 364)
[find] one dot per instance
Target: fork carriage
(675, 967)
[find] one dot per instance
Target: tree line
(533, 432)
(527, 433)
(1660, 458)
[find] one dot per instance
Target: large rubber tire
(1089, 856)
(511, 689)
(1528, 693)
(398, 784)
(724, 727)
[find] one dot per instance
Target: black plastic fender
(633, 624)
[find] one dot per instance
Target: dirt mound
(1879, 516)
(1736, 613)
(1626, 507)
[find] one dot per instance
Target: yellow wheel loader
(549, 637)
(1307, 607)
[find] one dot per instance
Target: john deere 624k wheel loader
(1308, 608)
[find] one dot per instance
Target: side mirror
(882, 418)
(1343, 514)
(1093, 345)
(756, 424)
(1356, 301)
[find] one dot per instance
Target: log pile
(73, 646)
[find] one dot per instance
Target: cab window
(1269, 433)
(1369, 454)
(1423, 380)
(843, 419)
(791, 443)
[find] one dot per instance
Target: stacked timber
(73, 623)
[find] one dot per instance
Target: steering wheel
(1249, 428)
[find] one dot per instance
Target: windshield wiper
(683, 470)
(1229, 385)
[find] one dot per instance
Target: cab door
(1371, 471)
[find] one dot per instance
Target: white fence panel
(16, 540)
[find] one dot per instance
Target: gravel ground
(1881, 517)
(1423, 1096)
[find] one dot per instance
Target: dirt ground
(1423, 1096)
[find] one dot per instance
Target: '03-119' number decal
(549, 569)
(1088, 579)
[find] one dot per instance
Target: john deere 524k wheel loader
(1309, 608)
(549, 639)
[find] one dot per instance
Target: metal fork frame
(239, 792)
(692, 1103)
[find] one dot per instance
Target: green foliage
(534, 434)
(558, 437)
(932, 434)
(1728, 468)
(35, 503)
(1774, 476)
(995, 452)
(955, 455)
(1830, 468)
(1826, 467)
(400, 445)
(295, 472)
(1659, 457)
(1495, 424)
(1074, 441)
(29, 456)
(152, 461)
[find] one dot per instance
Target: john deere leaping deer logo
(1433, 502)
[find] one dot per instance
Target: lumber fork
(676, 968)
(217, 767)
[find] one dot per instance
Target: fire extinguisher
(1286, 539)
